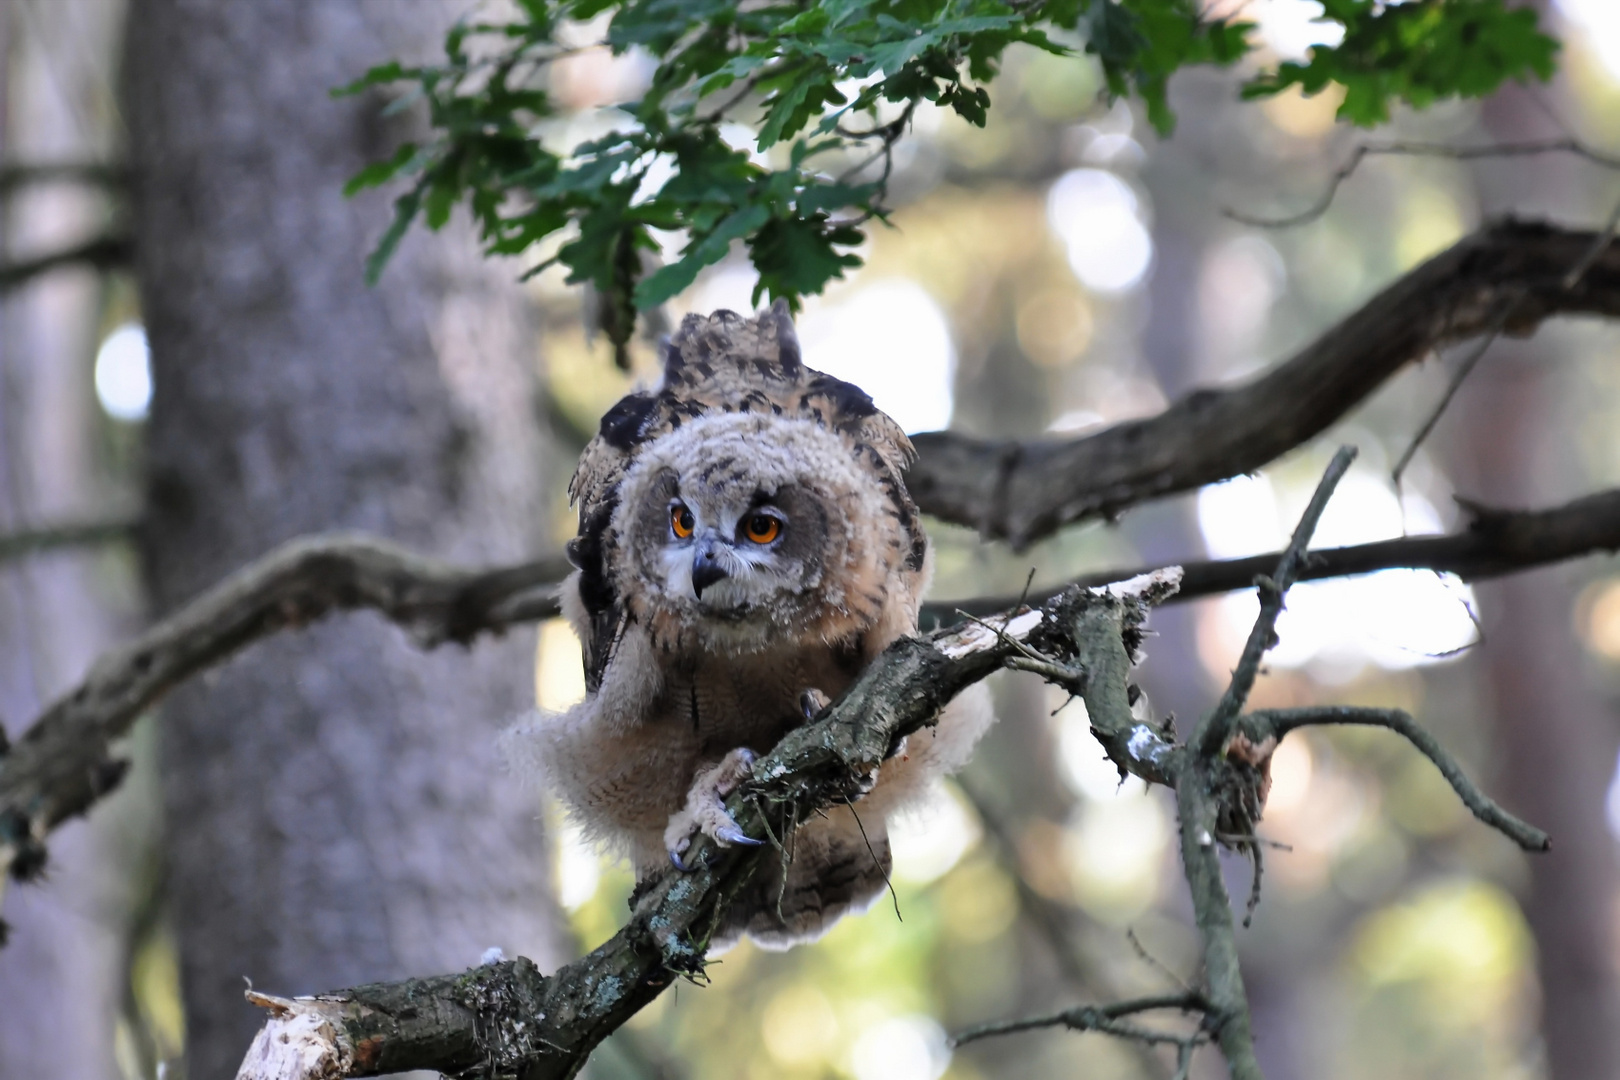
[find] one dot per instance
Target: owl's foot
(705, 809)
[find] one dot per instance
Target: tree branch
(1533, 148)
(102, 253)
(1266, 724)
(1496, 542)
(1021, 491)
(51, 537)
(1104, 1018)
(14, 177)
(63, 763)
(507, 1019)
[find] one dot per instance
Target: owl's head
(748, 500)
(739, 528)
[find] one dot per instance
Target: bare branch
(1534, 148)
(1276, 723)
(63, 763)
(1103, 1018)
(102, 253)
(1496, 542)
(1212, 731)
(53, 537)
(1021, 491)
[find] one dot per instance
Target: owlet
(746, 547)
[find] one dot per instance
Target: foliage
(833, 86)
(1417, 53)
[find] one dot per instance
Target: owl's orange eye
(762, 528)
(680, 521)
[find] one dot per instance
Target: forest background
(1059, 269)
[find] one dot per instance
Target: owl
(746, 547)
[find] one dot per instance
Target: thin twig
(1416, 149)
(54, 537)
(1279, 722)
(1104, 1018)
(1212, 730)
(1570, 281)
(102, 253)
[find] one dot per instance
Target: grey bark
(1554, 737)
(60, 979)
(336, 811)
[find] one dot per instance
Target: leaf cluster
(1418, 52)
(829, 87)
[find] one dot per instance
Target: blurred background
(192, 371)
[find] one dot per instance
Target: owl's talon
(705, 809)
(734, 835)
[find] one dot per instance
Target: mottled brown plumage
(746, 543)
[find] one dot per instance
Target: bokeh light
(891, 339)
(901, 1048)
(1290, 27)
(1395, 618)
(123, 373)
(1098, 217)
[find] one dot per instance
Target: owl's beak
(706, 568)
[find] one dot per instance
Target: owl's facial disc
(732, 552)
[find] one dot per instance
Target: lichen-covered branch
(1024, 490)
(506, 1019)
(1219, 778)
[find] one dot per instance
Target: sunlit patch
(799, 1026)
(1291, 27)
(1396, 618)
(123, 373)
(932, 838)
(1098, 217)
(901, 1048)
(1599, 24)
(1291, 767)
(1599, 619)
(977, 903)
(1460, 946)
(559, 667)
(891, 339)
(1116, 855)
(577, 866)
(1085, 766)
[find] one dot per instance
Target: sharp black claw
(736, 836)
(675, 857)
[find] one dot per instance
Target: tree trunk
(336, 809)
(1554, 737)
(62, 973)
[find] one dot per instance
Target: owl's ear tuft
(787, 339)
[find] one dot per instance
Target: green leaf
(392, 71)
(405, 209)
(380, 172)
(669, 280)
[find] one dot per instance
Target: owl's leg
(705, 809)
